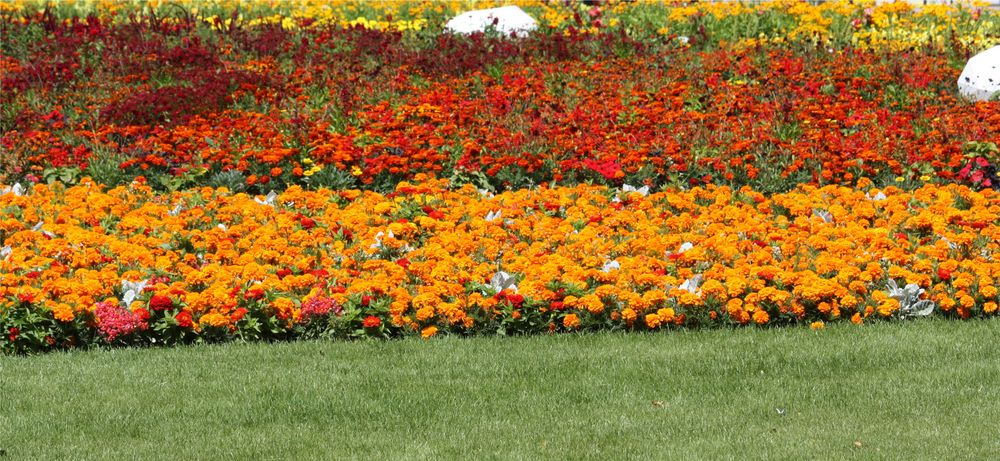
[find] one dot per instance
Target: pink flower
(319, 306)
(114, 322)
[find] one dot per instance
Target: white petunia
(685, 247)
(176, 211)
(493, 215)
(611, 265)
(5, 252)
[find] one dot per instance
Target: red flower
(307, 223)
(160, 303)
(944, 274)
(184, 319)
(13, 332)
(366, 300)
(255, 294)
(371, 322)
(143, 314)
(238, 314)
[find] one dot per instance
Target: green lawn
(915, 390)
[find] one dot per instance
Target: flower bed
(176, 176)
(257, 106)
(86, 265)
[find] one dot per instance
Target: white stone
(980, 79)
(509, 20)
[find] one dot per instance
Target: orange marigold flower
(213, 320)
(629, 315)
(63, 313)
(652, 321)
(856, 318)
(818, 325)
(571, 321)
(760, 317)
(428, 332)
(425, 313)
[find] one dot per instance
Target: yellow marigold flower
(628, 315)
(856, 318)
(988, 291)
(946, 303)
(887, 307)
(990, 307)
(571, 321)
(733, 306)
(818, 325)
(849, 301)
(666, 315)
(592, 303)
(713, 287)
(428, 332)
(735, 287)
(967, 301)
(425, 313)
(213, 320)
(63, 313)
(652, 321)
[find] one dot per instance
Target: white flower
(683, 39)
(5, 252)
(493, 215)
(38, 228)
(485, 193)
(176, 211)
(951, 244)
(223, 227)
(691, 285)
(502, 281)
(685, 247)
(644, 190)
(610, 265)
(378, 239)
(269, 200)
(877, 197)
(827, 217)
(16, 189)
(131, 291)
(910, 303)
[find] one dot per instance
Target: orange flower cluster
(206, 264)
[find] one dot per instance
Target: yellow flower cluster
(679, 257)
(866, 23)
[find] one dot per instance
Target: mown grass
(914, 390)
